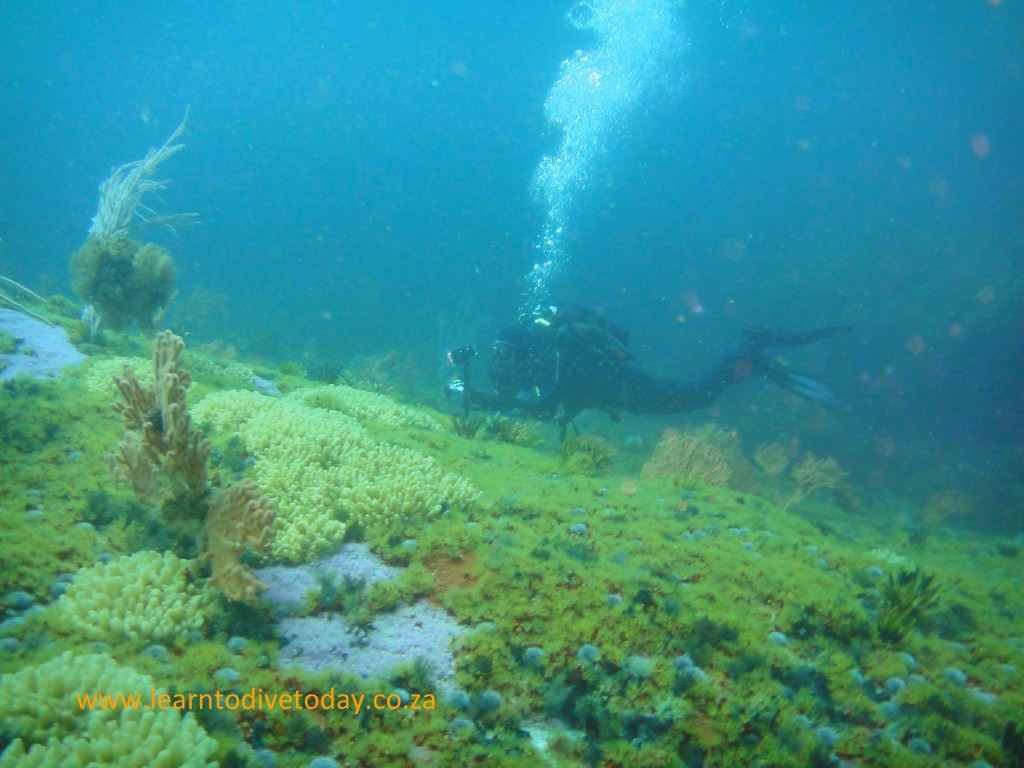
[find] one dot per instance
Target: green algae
(8, 344)
(657, 577)
(51, 461)
(906, 598)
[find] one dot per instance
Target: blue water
(363, 172)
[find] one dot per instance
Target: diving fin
(805, 386)
(800, 384)
(812, 389)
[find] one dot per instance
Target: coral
(239, 518)
(319, 465)
(127, 281)
(702, 593)
(121, 194)
(159, 440)
(887, 556)
(131, 465)
(379, 373)
(40, 708)
(940, 507)
(938, 510)
(296, 450)
(743, 475)
(217, 370)
(367, 405)
(145, 597)
(160, 447)
(689, 457)
(771, 458)
(906, 599)
(813, 474)
(101, 375)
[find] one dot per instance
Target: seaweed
(293, 368)
(125, 280)
(511, 431)
(906, 599)
(467, 425)
(1013, 746)
(586, 455)
(327, 372)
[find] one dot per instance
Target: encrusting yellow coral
(366, 405)
(147, 596)
(41, 708)
(320, 465)
(101, 375)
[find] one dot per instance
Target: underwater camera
(461, 355)
(460, 387)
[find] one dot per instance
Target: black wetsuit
(555, 366)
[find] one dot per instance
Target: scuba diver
(559, 362)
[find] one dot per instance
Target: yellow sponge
(146, 596)
(40, 707)
(320, 467)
